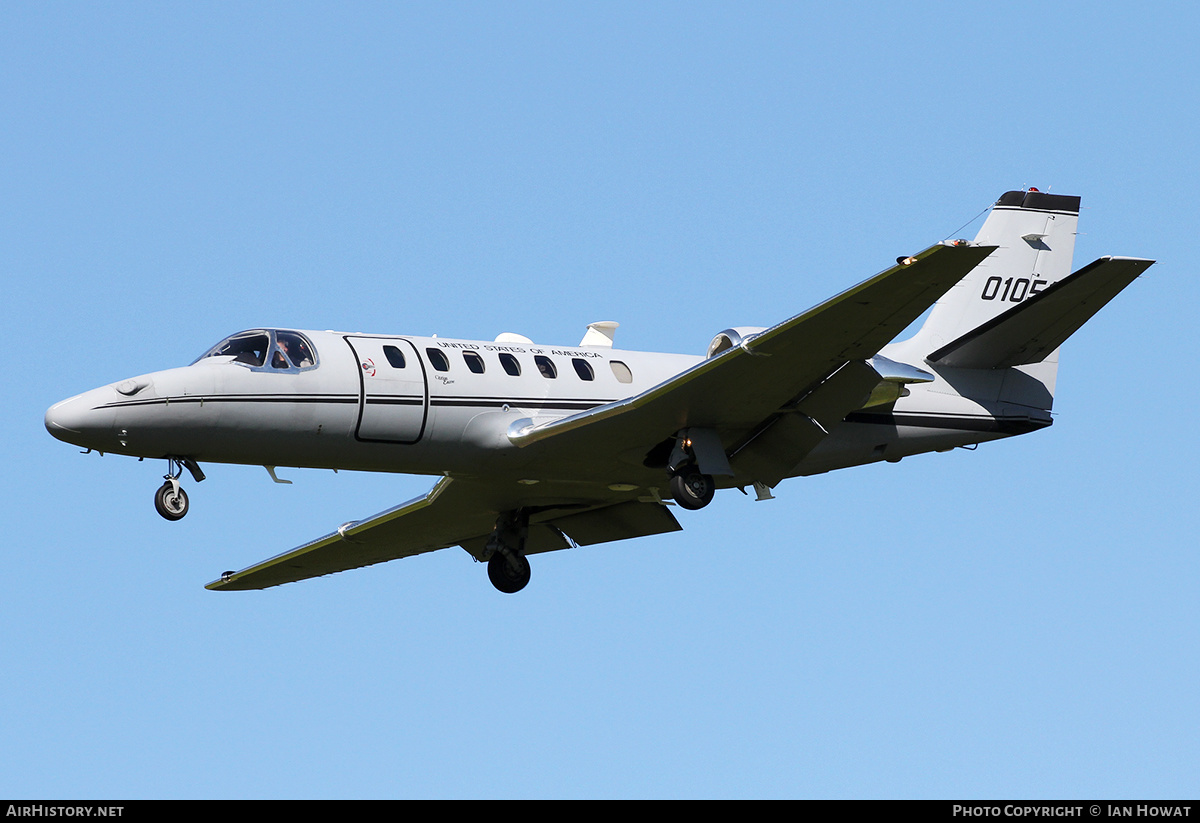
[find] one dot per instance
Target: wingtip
(221, 582)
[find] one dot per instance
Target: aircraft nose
(80, 420)
(65, 417)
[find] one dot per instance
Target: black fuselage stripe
(373, 400)
(256, 398)
(979, 423)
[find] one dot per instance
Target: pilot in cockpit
(296, 351)
(301, 356)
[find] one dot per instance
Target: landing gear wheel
(691, 489)
(171, 501)
(504, 577)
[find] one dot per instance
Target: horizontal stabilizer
(1030, 331)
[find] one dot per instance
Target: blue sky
(1016, 621)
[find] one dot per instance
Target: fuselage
(369, 402)
(437, 406)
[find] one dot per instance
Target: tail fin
(1035, 236)
(994, 337)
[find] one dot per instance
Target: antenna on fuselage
(600, 334)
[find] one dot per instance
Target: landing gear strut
(507, 567)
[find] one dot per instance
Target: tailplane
(1030, 332)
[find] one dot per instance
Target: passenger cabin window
(437, 359)
(545, 366)
(511, 364)
(394, 356)
(583, 368)
(474, 362)
(621, 371)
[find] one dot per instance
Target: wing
(812, 364)
(463, 512)
(774, 394)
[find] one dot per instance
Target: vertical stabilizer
(1035, 235)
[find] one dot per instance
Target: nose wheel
(171, 500)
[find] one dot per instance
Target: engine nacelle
(732, 337)
(894, 379)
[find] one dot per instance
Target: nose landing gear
(171, 501)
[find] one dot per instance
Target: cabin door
(393, 396)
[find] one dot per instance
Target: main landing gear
(171, 501)
(690, 488)
(508, 569)
(509, 572)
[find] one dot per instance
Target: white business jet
(546, 447)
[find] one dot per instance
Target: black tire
(168, 503)
(691, 489)
(504, 577)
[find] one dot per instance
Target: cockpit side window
(297, 350)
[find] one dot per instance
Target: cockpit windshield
(267, 349)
